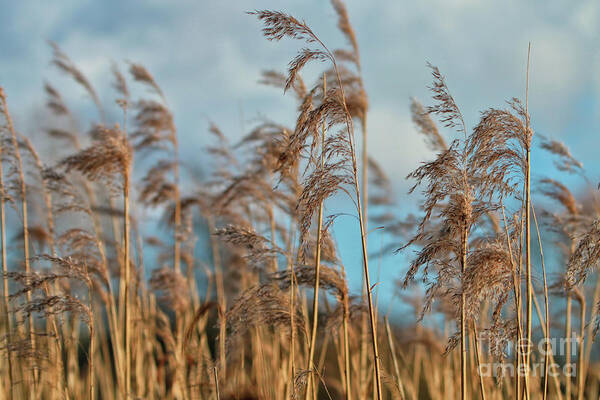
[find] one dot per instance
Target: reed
(155, 280)
(7, 316)
(315, 308)
(18, 164)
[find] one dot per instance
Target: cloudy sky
(207, 55)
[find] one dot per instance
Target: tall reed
(214, 271)
(24, 213)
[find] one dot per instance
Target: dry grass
(94, 306)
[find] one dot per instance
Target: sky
(208, 56)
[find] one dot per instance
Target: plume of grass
(171, 287)
(331, 279)
(565, 160)
(277, 26)
(75, 203)
(155, 129)
(258, 251)
(111, 156)
(49, 238)
(261, 305)
(450, 178)
(68, 67)
(502, 144)
(427, 126)
(585, 255)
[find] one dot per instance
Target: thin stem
(363, 319)
(550, 355)
(581, 341)
(127, 285)
(527, 226)
(477, 355)
(347, 351)
(177, 194)
(220, 292)
(568, 345)
(590, 328)
(8, 320)
(463, 322)
(91, 376)
(390, 340)
(313, 336)
(547, 307)
(520, 357)
(216, 377)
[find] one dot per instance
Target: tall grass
(212, 302)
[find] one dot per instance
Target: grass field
(240, 292)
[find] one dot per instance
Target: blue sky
(207, 56)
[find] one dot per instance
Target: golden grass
(96, 307)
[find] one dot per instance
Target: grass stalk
(527, 229)
(127, 277)
(5, 293)
(546, 321)
(347, 372)
(463, 322)
(363, 235)
(551, 360)
(392, 347)
(315, 308)
(581, 341)
(24, 215)
(92, 347)
(568, 335)
(478, 360)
